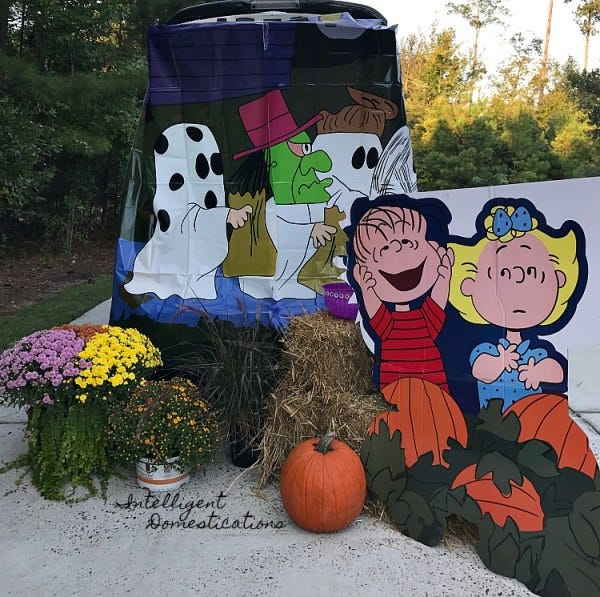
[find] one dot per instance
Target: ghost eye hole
(372, 158)
(358, 158)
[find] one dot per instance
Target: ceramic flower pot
(160, 477)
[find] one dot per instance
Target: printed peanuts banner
(256, 137)
(460, 301)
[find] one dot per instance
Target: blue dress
(507, 386)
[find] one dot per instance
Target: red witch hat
(268, 121)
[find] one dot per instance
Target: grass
(58, 309)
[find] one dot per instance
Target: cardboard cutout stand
(516, 465)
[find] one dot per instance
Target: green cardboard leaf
(492, 421)
(563, 568)
(503, 471)
(584, 523)
(413, 515)
(525, 569)
(539, 457)
(379, 451)
(560, 493)
(384, 464)
(505, 555)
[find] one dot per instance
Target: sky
(528, 17)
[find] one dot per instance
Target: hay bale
(327, 387)
(328, 355)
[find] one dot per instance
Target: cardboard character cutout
(520, 278)
(396, 260)
(521, 469)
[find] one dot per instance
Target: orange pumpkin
(546, 417)
(427, 417)
(323, 485)
(522, 504)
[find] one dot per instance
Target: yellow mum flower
(116, 380)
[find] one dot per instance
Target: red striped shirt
(408, 343)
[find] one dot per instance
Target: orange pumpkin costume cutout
(546, 417)
(426, 416)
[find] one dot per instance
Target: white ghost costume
(190, 238)
(354, 157)
(294, 248)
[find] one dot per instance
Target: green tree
(71, 83)
(462, 154)
(584, 88)
(479, 14)
(528, 157)
(76, 131)
(434, 79)
(518, 78)
(587, 17)
(433, 67)
(570, 134)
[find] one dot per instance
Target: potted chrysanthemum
(166, 429)
(65, 379)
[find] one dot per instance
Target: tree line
(524, 126)
(72, 80)
(73, 75)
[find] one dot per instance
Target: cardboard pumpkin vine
(519, 467)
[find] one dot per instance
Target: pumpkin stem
(324, 444)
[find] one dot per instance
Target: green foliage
(433, 70)
(530, 158)
(584, 88)
(518, 78)
(515, 134)
(67, 446)
(27, 147)
(467, 154)
(69, 141)
(53, 311)
(72, 81)
(237, 369)
(163, 419)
